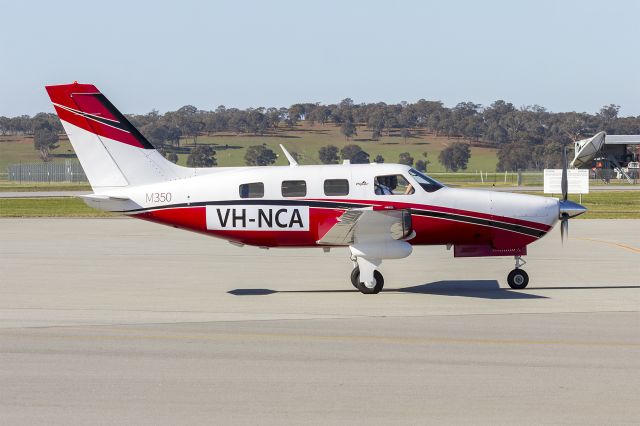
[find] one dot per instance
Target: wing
(369, 224)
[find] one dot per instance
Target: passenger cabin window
(252, 190)
(336, 187)
(392, 185)
(427, 183)
(294, 188)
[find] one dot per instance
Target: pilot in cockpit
(384, 185)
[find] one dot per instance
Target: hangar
(609, 155)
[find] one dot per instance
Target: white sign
(577, 179)
(258, 218)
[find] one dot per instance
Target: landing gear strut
(364, 287)
(518, 279)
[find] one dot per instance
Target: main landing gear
(367, 288)
(518, 279)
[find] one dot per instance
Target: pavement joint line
(331, 317)
(217, 336)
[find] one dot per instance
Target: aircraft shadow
(593, 287)
(482, 289)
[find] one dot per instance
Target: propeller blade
(565, 181)
(564, 229)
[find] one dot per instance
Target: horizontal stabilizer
(105, 197)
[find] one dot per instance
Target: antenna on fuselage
(292, 161)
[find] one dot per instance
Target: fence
(69, 171)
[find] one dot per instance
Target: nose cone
(570, 209)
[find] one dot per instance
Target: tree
(405, 133)
(5, 125)
(425, 161)
(608, 115)
(348, 129)
(514, 156)
(156, 133)
(45, 140)
(202, 156)
(293, 115)
(406, 159)
(354, 154)
(259, 155)
(379, 159)
(455, 156)
(172, 156)
(328, 154)
(189, 120)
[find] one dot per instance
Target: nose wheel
(363, 287)
(518, 278)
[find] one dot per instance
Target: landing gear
(364, 287)
(518, 279)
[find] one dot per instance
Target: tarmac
(118, 321)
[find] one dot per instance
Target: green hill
(303, 139)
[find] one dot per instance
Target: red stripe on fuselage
(429, 230)
(398, 205)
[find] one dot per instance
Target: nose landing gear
(518, 279)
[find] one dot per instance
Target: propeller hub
(570, 209)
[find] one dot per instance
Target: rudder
(113, 153)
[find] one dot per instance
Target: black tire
(518, 279)
(355, 278)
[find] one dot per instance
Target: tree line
(529, 137)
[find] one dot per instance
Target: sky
(564, 55)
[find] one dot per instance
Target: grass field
(601, 205)
(306, 141)
(43, 186)
(48, 207)
(608, 204)
(303, 139)
(19, 149)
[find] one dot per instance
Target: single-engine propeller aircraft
(378, 211)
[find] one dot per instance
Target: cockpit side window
(427, 183)
(392, 185)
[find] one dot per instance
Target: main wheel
(355, 277)
(518, 279)
(355, 280)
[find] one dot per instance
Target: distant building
(607, 154)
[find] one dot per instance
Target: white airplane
(378, 211)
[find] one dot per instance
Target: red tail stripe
(77, 105)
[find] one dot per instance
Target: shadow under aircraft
(482, 289)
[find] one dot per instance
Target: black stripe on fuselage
(480, 221)
(257, 201)
(344, 206)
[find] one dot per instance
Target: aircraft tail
(113, 153)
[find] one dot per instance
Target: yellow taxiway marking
(611, 243)
(141, 334)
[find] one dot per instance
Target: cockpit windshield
(427, 183)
